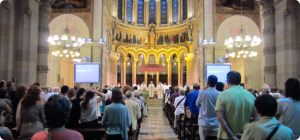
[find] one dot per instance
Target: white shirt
(180, 109)
(43, 96)
(289, 111)
(272, 94)
(98, 106)
(139, 88)
(260, 130)
(50, 94)
(108, 94)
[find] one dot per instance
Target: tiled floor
(156, 126)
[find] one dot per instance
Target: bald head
(266, 90)
(55, 89)
(196, 86)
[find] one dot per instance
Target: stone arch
(231, 25)
(76, 25)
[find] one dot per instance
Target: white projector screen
(87, 73)
(219, 70)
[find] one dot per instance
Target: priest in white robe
(143, 86)
(160, 90)
(151, 88)
(139, 87)
(180, 87)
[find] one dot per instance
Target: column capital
(265, 2)
(168, 60)
(146, 61)
(268, 31)
(270, 70)
(157, 61)
(42, 68)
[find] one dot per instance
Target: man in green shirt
(146, 96)
(235, 107)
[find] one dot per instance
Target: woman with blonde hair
(30, 115)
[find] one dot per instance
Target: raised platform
(155, 103)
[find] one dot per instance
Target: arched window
(175, 11)
(120, 9)
(164, 12)
(184, 10)
(141, 12)
(152, 9)
(129, 10)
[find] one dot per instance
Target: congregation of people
(229, 112)
(218, 111)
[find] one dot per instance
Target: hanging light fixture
(66, 45)
(242, 46)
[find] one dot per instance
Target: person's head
(106, 86)
(119, 84)
(181, 92)
(265, 90)
(165, 84)
(37, 84)
(32, 96)
(128, 94)
(196, 86)
(55, 89)
(136, 93)
(57, 110)
(100, 90)
(143, 83)
(64, 89)
(21, 90)
(5, 110)
(126, 88)
(3, 93)
(88, 96)
(104, 91)
(117, 96)
(80, 93)
(10, 85)
(266, 105)
(234, 78)
(135, 88)
(220, 86)
(2, 84)
(292, 89)
(71, 93)
(176, 89)
(212, 80)
(151, 82)
(138, 84)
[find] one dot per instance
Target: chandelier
(242, 45)
(66, 45)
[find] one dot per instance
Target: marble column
(146, 12)
(157, 73)
(179, 11)
(134, 71)
(43, 49)
(268, 13)
(169, 12)
(287, 40)
(125, 71)
(134, 12)
(122, 70)
(97, 20)
(158, 12)
(125, 11)
(26, 43)
(6, 40)
(179, 71)
(146, 73)
(208, 19)
(169, 71)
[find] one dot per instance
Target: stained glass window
(120, 9)
(152, 8)
(184, 10)
(141, 12)
(164, 12)
(129, 10)
(175, 11)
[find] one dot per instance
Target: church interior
(136, 41)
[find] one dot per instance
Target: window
(141, 12)
(120, 9)
(129, 11)
(175, 11)
(152, 8)
(164, 12)
(184, 10)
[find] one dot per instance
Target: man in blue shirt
(190, 102)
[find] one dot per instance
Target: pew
(91, 133)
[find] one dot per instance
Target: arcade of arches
(165, 32)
